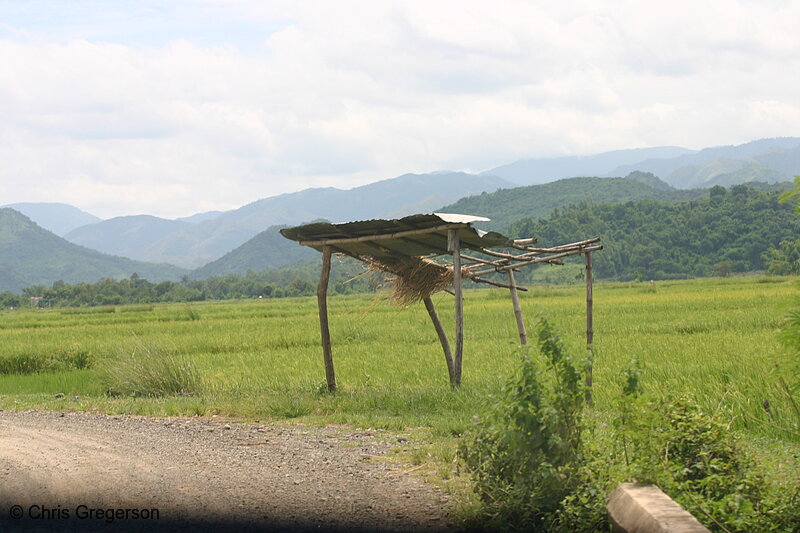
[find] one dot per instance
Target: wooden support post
(454, 246)
(589, 327)
(512, 285)
(322, 302)
(437, 324)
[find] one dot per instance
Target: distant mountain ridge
(129, 236)
(768, 160)
(56, 217)
(193, 245)
(545, 170)
(31, 255)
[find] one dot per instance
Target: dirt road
(84, 472)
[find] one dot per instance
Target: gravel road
(87, 472)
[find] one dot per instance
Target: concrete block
(637, 508)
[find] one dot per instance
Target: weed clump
(150, 370)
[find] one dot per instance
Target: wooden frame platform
(423, 238)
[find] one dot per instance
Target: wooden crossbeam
(384, 236)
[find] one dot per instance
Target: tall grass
(149, 369)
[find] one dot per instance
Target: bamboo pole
(454, 246)
(512, 285)
(589, 326)
(484, 261)
(496, 283)
(322, 302)
(437, 324)
(537, 260)
(532, 251)
(562, 247)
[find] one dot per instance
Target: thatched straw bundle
(416, 278)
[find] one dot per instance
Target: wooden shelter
(408, 248)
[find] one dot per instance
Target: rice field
(714, 339)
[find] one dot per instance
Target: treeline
(730, 231)
(506, 206)
(347, 276)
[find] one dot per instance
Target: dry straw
(416, 278)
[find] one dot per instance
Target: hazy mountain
(268, 249)
(786, 161)
(55, 217)
(725, 172)
(130, 236)
(769, 160)
(200, 217)
(400, 196)
(537, 171)
(31, 255)
(194, 245)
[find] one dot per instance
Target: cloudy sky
(172, 107)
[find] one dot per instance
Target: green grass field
(714, 339)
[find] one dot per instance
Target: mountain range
(768, 160)
(31, 255)
(217, 243)
(189, 245)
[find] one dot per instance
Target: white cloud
(298, 94)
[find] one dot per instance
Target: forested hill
(31, 255)
(727, 231)
(535, 201)
(267, 250)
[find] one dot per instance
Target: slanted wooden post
(448, 356)
(589, 329)
(454, 246)
(322, 302)
(523, 335)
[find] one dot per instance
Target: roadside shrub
(694, 458)
(527, 457)
(150, 370)
(537, 465)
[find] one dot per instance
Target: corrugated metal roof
(415, 235)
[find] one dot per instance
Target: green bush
(528, 456)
